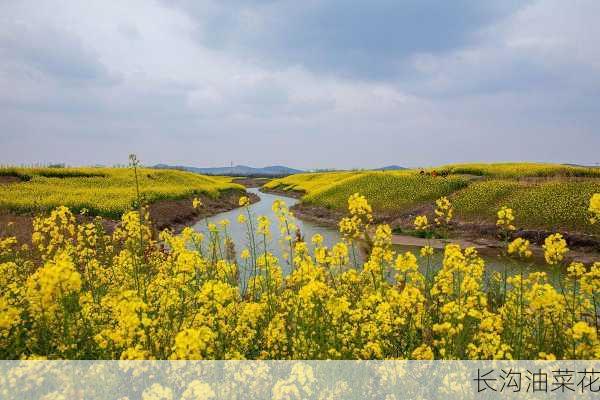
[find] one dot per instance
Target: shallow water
(263, 207)
(330, 235)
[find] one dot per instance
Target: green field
(387, 191)
(554, 204)
(308, 183)
(520, 170)
(103, 191)
(543, 196)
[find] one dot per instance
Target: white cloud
(90, 82)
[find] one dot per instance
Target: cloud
(57, 53)
(311, 84)
(360, 40)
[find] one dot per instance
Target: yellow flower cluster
(506, 219)
(102, 191)
(443, 211)
(196, 203)
(244, 201)
(361, 215)
(81, 293)
(594, 208)
(555, 248)
(421, 223)
(520, 247)
(358, 205)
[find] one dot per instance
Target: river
(263, 207)
(330, 235)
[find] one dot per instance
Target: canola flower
(444, 211)
(107, 192)
(506, 218)
(79, 292)
(196, 203)
(244, 201)
(421, 223)
(594, 208)
(555, 248)
(538, 203)
(520, 247)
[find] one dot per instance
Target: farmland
(554, 204)
(520, 170)
(79, 292)
(545, 196)
(402, 190)
(307, 183)
(107, 192)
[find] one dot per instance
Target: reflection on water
(330, 235)
(263, 207)
(492, 262)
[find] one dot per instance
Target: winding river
(330, 235)
(263, 207)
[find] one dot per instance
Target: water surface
(331, 235)
(263, 207)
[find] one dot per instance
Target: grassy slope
(520, 170)
(103, 191)
(387, 191)
(544, 196)
(310, 182)
(556, 204)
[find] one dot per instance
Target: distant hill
(582, 165)
(390, 168)
(238, 170)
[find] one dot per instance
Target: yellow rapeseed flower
(594, 208)
(506, 218)
(426, 251)
(244, 201)
(421, 223)
(520, 247)
(196, 203)
(555, 248)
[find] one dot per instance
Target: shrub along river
(330, 235)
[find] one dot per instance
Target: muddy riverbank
(164, 214)
(295, 194)
(485, 237)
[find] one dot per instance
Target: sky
(308, 84)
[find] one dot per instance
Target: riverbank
(249, 182)
(164, 214)
(295, 194)
(177, 214)
(484, 237)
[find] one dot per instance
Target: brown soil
(330, 217)
(173, 214)
(19, 226)
(251, 182)
(9, 179)
(176, 214)
(319, 215)
(484, 236)
(296, 194)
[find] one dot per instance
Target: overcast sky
(310, 83)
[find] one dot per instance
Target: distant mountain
(238, 170)
(390, 168)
